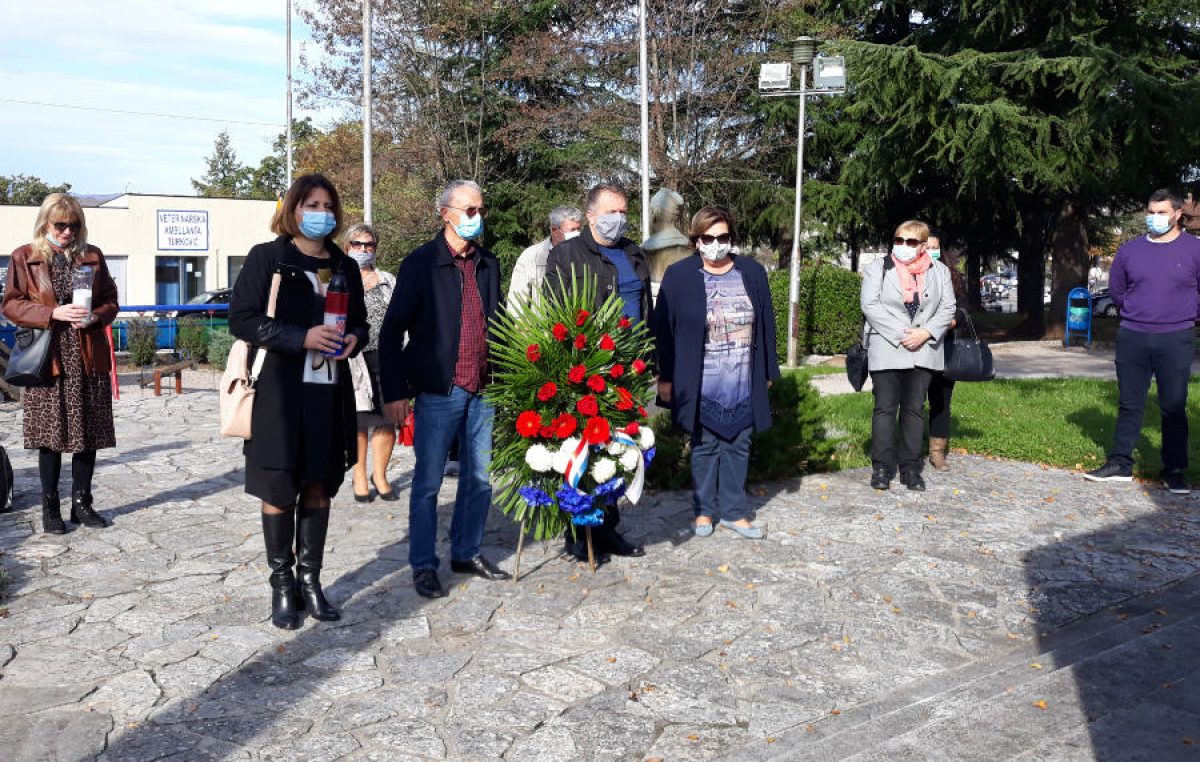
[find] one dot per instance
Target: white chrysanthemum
(646, 437)
(539, 458)
(605, 469)
(631, 458)
(565, 451)
(615, 448)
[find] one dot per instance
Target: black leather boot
(278, 531)
(311, 528)
(82, 512)
(52, 522)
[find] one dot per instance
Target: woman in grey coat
(908, 301)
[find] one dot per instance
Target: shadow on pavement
(1128, 595)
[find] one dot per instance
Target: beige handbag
(237, 382)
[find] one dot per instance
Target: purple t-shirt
(1157, 285)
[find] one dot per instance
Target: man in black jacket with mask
(603, 252)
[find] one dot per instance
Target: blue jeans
(719, 475)
(439, 419)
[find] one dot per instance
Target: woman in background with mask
(303, 422)
(941, 388)
(908, 302)
(714, 329)
(373, 426)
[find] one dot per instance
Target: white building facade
(161, 250)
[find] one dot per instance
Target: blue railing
(165, 316)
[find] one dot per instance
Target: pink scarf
(912, 275)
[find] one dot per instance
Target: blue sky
(223, 60)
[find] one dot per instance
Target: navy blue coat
(427, 306)
(680, 323)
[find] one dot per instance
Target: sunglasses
(63, 226)
(914, 242)
(472, 210)
(369, 245)
(707, 240)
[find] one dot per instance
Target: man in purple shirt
(1155, 282)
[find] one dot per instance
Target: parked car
(1102, 304)
(215, 296)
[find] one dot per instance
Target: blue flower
(649, 455)
(535, 498)
(611, 490)
(592, 518)
(571, 501)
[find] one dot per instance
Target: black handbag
(968, 358)
(856, 365)
(29, 363)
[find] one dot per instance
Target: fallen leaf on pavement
(1035, 665)
(1040, 704)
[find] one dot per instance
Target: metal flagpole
(794, 274)
(645, 107)
(288, 179)
(366, 111)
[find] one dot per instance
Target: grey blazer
(883, 306)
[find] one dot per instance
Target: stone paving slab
(150, 640)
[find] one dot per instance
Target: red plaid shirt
(471, 366)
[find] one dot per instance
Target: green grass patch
(1066, 423)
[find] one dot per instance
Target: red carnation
(548, 390)
(596, 384)
(529, 423)
(642, 411)
(587, 405)
(596, 431)
(576, 375)
(581, 316)
(564, 425)
(623, 322)
(632, 429)
(616, 370)
(607, 343)
(560, 332)
(624, 399)
(546, 432)
(639, 367)
(580, 341)
(533, 352)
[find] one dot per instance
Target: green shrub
(794, 445)
(220, 342)
(141, 341)
(191, 338)
(830, 317)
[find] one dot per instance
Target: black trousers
(1167, 357)
(900, 391)
(940, 391)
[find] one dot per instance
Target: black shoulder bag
(968, 358)
(29, 363)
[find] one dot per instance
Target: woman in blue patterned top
(715, 333)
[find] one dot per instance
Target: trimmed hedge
(830, 317)
(220, 341)
(141, 341)
(191, 338)
(794, 445)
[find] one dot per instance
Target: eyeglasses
(369, 245)
(471, 210)
(63, 226)
(708, 239)
(914, 242)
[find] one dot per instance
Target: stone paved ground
(1011, 612)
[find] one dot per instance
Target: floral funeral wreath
(570, 389)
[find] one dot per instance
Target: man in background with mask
(446, 292)
(602, 251)
(530, 269)
(1155, 282)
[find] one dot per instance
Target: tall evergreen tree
(225, 176)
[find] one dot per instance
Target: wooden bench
(174, 369)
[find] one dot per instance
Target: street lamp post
(774, 81)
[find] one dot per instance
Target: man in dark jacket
(603, 252)
(446, 292)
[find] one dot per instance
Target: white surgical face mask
(713, 252)
(935, 253)
(363, 258)
(904, 253)
(570, 235)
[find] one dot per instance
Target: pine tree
(225, 177)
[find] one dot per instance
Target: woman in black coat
(714, 329)
(303, 423)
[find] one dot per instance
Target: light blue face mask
(470, 228)
(50, 237)
(1158, 224)
(316, 225)
(935, 253)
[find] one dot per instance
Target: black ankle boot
(82, 513)
(278, 531)
(311, 528)
(52, 522)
